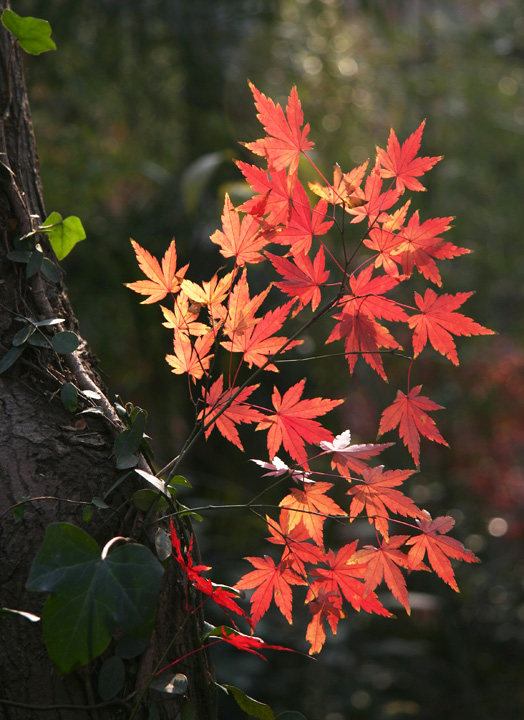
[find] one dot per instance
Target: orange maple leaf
(286, 137)
(345, 189)
(162, 280)
(410, 413)
(191, 358)
(438, 320)
(439, 548)
(227, 418)
(182, 318)
(271, 582)
(376, 492)
(244, 239)
(292, 424)
(401, 161)
(311, 506)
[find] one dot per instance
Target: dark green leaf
(136, 433)
(10, 357)
(39, 340)
(69, 396)
(145, 499)
(99, 503)
(19, 256)
(249, 705)
(65, 342)
(87, 513)
(180, 480)
(34, 263)
(126, 461)
(51, 271)
(162, 544)
(34, 35)
(130, 646)
(91, 593)
(23, 335)
(111, 678)
(186, 711)
(64, 234)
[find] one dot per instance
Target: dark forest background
(137, 118)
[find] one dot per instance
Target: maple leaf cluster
(290, 228)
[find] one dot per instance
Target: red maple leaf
(258, 342)
(249, 643)
(227, 418)
(438, 548)
(275, 193)
(271, 582)
(292, 424)
(375, 202)
(410, 413)
(297, 549)
(162, 280)
(438, 321)
(418, 245)
(222, 596)
(384, 243)
(383, 563)
(343, 576)
(401, 161)
(347, 457)
(286, 136)
(304, 223)
(311, 506)
(377, 494)
(244, 239)
(302, 278)
(323, 606)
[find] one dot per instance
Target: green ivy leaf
(111, 678)
(252, 707)
(23, 335)
(33, 34)
(50, 271)
(69, 396)
(34, 263)
(65, 342)
(129, 646)
(64, 234)
(10, 358)
(90, 593)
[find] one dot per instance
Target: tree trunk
(47, 454)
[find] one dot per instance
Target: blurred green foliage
(137, 118)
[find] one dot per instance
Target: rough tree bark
(44, 454)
